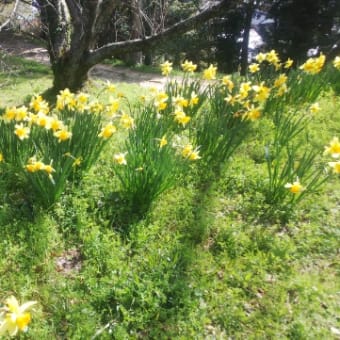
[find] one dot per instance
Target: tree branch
(135, 45)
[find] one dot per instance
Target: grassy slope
(200, 265)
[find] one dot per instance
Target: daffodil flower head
(188, 66)
(335, 166)
(162, 142)
(280, 80)
(13, 317)
(21, 113)
(288, 64)
(253, 113)
(107, 131)
(295, 187)
(62, 135)
(190, 153)
(226, 81)
(127, 121)
(261, 57)
(22, 131)
(119, 158)
(10, 114)
(272, 57)
(38, 104)
(210, 72)
(110, 87)
(166, 68)
(336, 62)
(314, 108)
(313, 65)
(253, 68)
(333, 148)
(181, 117)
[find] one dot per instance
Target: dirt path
(22, 46)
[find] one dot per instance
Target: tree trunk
(72, 28)
(245, 41)
(68, 74)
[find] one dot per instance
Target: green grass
(202, 264)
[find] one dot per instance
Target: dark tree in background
(303, 24)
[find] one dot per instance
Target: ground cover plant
(205, 209)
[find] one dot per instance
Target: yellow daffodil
(280, 80)
(282, 90)
(180, 102)
(160, 99)
(56, 124)
(314, 108)
(162, 142)
(77, 161)
(21, 113)
(119, 158)
(64, 98)
(288, 64)
(107, 131)
(181, 117)
(210, 72)
(253, 113)
(1, 157)
(244, 89)
(127, 121)
(188, 66)
(113, 107)
(336, 62)
(294, 187)
(232, 100)
(272, 57)
(194, 99)
(95, 106)
(261, 92)
(313, 65)
(110, 87)
(38, 104)
(49, 169)
(9, 114)
(13, 317)
(226, 81)
(43, 120)
(253, 68)
(190, 153)
(335, 166)
(166, 68)
(261, 57)
(22, 131)
(333, 148)
(62, 135)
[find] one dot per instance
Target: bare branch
(11, 15)
(135, 45)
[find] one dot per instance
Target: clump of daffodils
(314, 65)
(14, 317)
